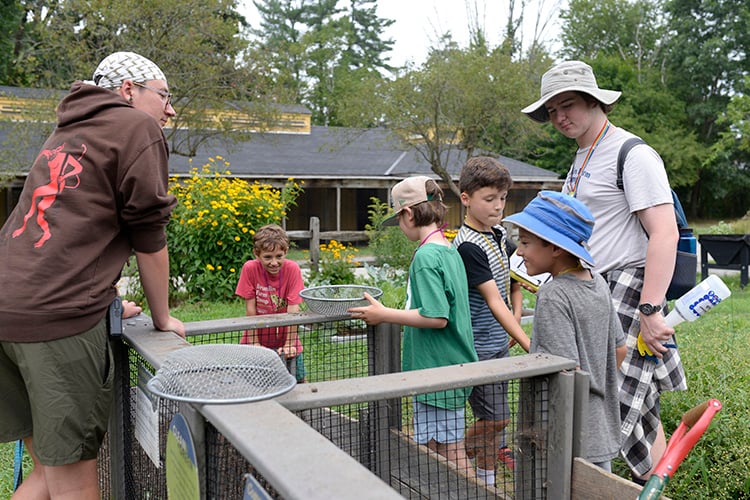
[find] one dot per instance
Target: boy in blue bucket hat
(574, 315)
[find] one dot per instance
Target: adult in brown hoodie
(96, 192)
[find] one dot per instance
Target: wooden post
(580, 410)
(120, 444)
(560, 435)
(314, 243)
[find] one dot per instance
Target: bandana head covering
(120, 66)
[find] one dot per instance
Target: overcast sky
(419, 23)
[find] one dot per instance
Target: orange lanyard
(573, 186)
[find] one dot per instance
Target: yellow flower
(209, 267)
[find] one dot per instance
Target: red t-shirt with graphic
(272, 295)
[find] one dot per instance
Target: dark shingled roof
(326, 153)
(338, 153)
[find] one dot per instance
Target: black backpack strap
(624, 150)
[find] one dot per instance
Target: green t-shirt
(438, 289)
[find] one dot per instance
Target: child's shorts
(301, 373)
(490, 402)
(440, 424)
(70, 394)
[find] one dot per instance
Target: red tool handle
(680, 443)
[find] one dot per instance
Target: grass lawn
(716, 355)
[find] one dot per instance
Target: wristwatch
(648, 309)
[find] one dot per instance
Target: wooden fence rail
(315, 235)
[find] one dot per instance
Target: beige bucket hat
(565, 77)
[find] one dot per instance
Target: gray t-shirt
(575, 319)
(618, 240)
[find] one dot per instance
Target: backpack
(686, 264)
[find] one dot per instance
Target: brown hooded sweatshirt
(96, 192)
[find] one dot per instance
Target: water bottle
(687, 242)
(700, 299)
(691, 306)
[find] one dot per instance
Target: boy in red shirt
(270, 284)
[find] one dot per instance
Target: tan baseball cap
(407, 193)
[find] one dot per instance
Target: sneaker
(505, 455)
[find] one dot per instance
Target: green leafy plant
(391, 281)
(720, 228)
(210, 234)
(388, 244)
(739, 226)
(336, 265)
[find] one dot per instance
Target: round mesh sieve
(221, 373)
(334, 300)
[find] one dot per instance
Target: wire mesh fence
(377, 431)
(381, 435)
(332, 350)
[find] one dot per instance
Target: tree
(707, 64)
(458, 103)
(313, 46)
(278, 40)
(363, 59)
(11, 15)
(324, 41)
(22, 46)
(633, 31)
(729, 163)
(195, 42)
(708, 57)
(365, 46)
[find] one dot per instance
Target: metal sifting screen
(221, 373)
(335, 300)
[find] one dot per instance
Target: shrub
(210, 234)
(391, 281)
(336, 265)
(720, 228)
(388, 244)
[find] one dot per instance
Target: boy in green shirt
(436, 318)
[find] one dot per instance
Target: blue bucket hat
(559, 219)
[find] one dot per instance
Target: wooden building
(342, 168)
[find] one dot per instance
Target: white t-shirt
(618, 240)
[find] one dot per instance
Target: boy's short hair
(270, 237)
(483, 171)
(425, 198)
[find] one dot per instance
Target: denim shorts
(444, 426)
(60, 391)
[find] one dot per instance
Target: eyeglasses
(165, 95)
